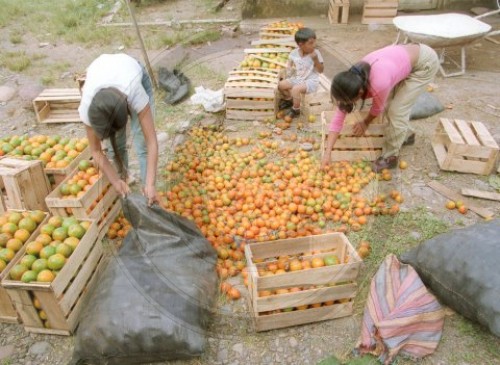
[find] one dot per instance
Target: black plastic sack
(154, 300)
(175, 83)
(462, 269)
(426, 105)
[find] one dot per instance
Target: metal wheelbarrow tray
(443, 30)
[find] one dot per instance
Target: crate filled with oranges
(251, 95)
(59, 155)
(17, 229)
(301, 280)
(86, 193)
(349, 147)
(282, 29)
(49, 281)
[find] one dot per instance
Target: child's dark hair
(304, 34)
(346, 85)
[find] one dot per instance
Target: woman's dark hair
(108, 113)
(304, 34)
(346, 85)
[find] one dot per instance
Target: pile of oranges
(81, 181)
(237, 194)
(119, 228)
(53, 151)
(47, 254)
(16, 228)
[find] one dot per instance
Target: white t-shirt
(114, 70)
(302, 67)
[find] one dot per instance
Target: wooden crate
(251, 95)
(85, 207)
(8, 313)
(464, 146)
(24, 183)
(61, 299)
(351, 148)
(318, 102)
(319, 285)
(260, 54)
(379, 12)
(57, 175)
(338, 11)
(57, 106)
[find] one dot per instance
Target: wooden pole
(143, 48)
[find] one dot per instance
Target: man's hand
(359, 129)
(151, 194)
(121, 187)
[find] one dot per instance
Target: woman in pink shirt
(393, 77)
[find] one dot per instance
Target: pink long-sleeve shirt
(389, 66)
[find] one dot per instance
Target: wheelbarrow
(444, 30)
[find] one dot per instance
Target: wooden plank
(8, 312)
(50, 305)
(355, 143)
(250, 93)
(24, 306)
(287, 319)
(451, 131)
(355, 155)
(484, 135)
(270, 60)
(72, 266)
(236, 114)
(482, 194)
(306, 297)
(455, 196)
(84, 274)
(466, 132)
(249, 104)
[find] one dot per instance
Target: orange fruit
(55, 221)
(15, 217)
(39, 265)
(34, 248)
(47, 229)
(317, 262)
(56, 261)
(60, 234)
(72, 242)
(450, 204)
(44, 239)
(7, 254)
(45, 276)
(17, 271)
(47, 252)
(9, 228)
(14, 244)
(28, 224)
(38, 216)
(76, 230)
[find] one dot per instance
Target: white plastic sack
(212, 101)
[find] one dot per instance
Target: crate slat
(24, 305)
(306, 297)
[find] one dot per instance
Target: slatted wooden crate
(351, 148)
(464, 146)
(338, 11)
(24, 184)
(8, 313)
(87, 206)
(318, 102)
(57, 106)
(57, 175)
(61, 299)
(379, 12)
(333, 286)
(251, 95)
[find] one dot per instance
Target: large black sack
(154, 300)
(462, 269)
(425, 106)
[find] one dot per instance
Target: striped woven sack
(401, 315)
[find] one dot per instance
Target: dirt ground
(473, 96)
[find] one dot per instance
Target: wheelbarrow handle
(487, 14)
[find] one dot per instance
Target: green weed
(15, 61)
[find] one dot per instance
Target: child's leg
(297, 92)
(285, 86)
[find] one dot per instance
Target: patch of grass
(15, 37)
(15, 61)
(47, 79)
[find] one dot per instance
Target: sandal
(385, 163)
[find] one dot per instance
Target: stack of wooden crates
(26, 187)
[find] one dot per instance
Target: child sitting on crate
(305, 63)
